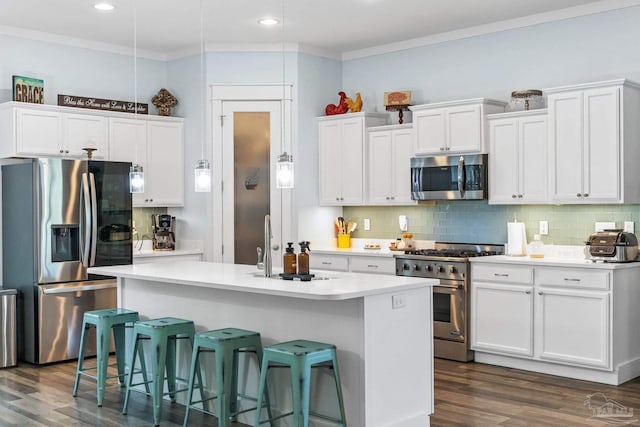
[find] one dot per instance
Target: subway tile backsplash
(479, 222)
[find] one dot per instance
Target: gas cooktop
(455, 250)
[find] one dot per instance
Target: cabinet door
(165, 160)
(602, 145)
(331, 156)
(401, 153)
(128, 143)
(430, 131)
(503, 162)
(352, 161)
(329, 262)
(565, 136)
(374, 265)
(502, 318)
(464, 129)
(533, 161)
(573, 327)
(84, 131)
(38, 133)
(380, 168)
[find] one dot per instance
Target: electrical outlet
(544, 228)
(397, 301)
(403, 222)
(367, 224)
(629, 227)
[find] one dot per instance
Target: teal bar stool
(104, 321)
(300, 356)
(227, 344)
(162, 334)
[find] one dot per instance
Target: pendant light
(136, 173)
(284, 167)
(203, 167)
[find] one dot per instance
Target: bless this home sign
(28, 89)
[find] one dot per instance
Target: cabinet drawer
(328, 262)
(379, 265)
(502, 273)
(572, 278)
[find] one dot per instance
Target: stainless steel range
(448, 262)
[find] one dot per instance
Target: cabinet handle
(527, 292)
(66, 151)
(387, 198)
(585, 195)
(61, 151)
(540, 293)
(372, 266)
(326, 263)
(392, 198)
(513, 196)
(566, 279)
(447, 148)
(441, 148)
(578, 195)
(500, 274)
(519, 196)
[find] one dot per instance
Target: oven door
(449, 301)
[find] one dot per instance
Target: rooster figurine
(356, 106)
(341, 108)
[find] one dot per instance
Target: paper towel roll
(516, 239)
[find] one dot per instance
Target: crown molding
(510, 24)
(253, 47)
(79, 43)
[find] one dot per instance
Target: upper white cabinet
(158, 146)
(452, 127)
(341, 140)
(593, 136)
(45, 131)
(389, 150)
(518, 159)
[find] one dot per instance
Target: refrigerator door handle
(84, 231)
(94, 219)
(79, 288)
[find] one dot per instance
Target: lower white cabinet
(580, 322)
(352, 263)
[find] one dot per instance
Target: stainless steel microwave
(462, 177)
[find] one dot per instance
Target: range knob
(440, 269)
(428, 267)
(416, 267)
(452, 269)
(406, 267)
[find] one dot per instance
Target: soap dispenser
(289, 260)
(536, 249)
(303, 258)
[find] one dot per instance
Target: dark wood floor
(466, 394)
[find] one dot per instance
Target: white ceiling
(172, 27)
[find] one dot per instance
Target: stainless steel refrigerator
(60, 217)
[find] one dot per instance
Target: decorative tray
(301, 277)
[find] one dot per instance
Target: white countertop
(553, 261)
(144, 249)
(357, 247)
(246, 278)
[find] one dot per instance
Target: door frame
(248, 92)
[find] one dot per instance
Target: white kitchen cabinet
(518, 160)
(158, 146)
(341, 145)
(352, 263)
(502, 309)
(593, 137)
(389, 150)
(44, 130)
(452, 127)
(576, 322)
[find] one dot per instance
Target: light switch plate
(629, 226)
(605, 225)
(403, 223)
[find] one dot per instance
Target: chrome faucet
(266, 263)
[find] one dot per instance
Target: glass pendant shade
(203, 176)
(284, 171)
(136, 179)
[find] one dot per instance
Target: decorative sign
(101, 104)
(397, 98)
(27, 89)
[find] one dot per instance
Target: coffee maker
(163, 227)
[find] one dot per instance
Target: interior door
(251, 144)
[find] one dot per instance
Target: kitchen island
(381, 325)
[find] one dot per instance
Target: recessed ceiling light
(105, 7)
(269, 21)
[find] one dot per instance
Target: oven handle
(461, 176)
(448, 286)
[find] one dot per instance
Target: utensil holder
(344, 241)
